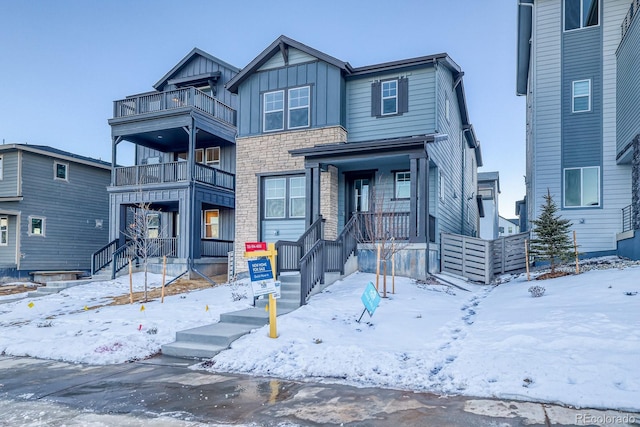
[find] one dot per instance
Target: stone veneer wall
(270, 153)
(635, 184)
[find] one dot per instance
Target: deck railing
(628, 19)
(215, 247)
(172, 172)
(169, 100)
(627, 218)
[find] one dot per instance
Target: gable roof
(279, 46)
(489, 177)
(57, 153)
(187, 59)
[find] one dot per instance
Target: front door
(359, 192)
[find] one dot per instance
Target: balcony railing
(172, 172)
(163, 101)
(628, 19)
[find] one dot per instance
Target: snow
(576, 345)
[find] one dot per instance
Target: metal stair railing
(103, 256)
(290, 253)
(121, 258)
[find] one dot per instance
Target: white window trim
(204, 223)
(291, 198)
(55, 171)
(441, 185)
(308, 107)
(564, 192)
(4, 231)
(581, 12)
(264, 111)
(214, 163)
(395, 186)
(284, 214)
(573, 96)
(447, 108)
(30, 225)
(382, 97)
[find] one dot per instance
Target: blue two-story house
(321, 143)
(183, 136)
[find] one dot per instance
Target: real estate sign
(370, 298)
(261, 274)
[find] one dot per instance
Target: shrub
(537, 291)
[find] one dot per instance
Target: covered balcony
(171, 172)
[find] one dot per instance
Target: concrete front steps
(57, 286)
(205, 342)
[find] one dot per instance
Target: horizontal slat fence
(480, 260)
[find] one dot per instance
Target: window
(284, 197)
(60, 171)
(403, 185)
(441, 184)
(390, 97)
(582, 187)
(275, 192)
(209, 156)
(4, 231)
(273, 111)
(447, 108)
(212, 224)
(153, 226)
(297, 197)
(580, 14)
(298, 108)
(581, 96)
(36, 226)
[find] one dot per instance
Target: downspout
(463, 196)
(437, 97)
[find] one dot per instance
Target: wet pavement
(167, 391)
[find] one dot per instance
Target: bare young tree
(144, 232)
(385, 225)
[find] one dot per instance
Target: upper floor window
(580, 14)
(403, 185)
(211, 224)
(582, 187)
(581, 96)
(60, 171)
(389, 97)
(441, 184)
(447, 109)
(273, 111)
(298, 107)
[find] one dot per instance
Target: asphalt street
(159, 387)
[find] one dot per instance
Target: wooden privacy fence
(481, 260)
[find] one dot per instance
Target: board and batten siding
(582, 131)
(419, 120)
(10, 179)
(326, 84)
(70, 209)
(628, 85)
(199, 65)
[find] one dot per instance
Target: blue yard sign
(370, 298)
(260, 269)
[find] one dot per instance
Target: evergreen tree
(551, 242)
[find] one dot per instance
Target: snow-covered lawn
(579, 344)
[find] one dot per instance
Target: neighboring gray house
(184, 138)
(54, 210)
(489, 190)
(578, 66)
(322, 145)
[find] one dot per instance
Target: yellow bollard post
(273, 332)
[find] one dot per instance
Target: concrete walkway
(164, 385)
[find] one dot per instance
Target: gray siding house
(54, 209)
(184, 137)
(578, 67)
(322, 146)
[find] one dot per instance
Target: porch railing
(103, 256)
(380, 226)
(169, 100)
(290, 253)
(162, 246)
(627, 218)
(215, 248)
(172, 172)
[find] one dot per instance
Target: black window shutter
(375, 99)
(403, 95)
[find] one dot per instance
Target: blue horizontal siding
(628, 87)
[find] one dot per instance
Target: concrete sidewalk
(163, 385)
